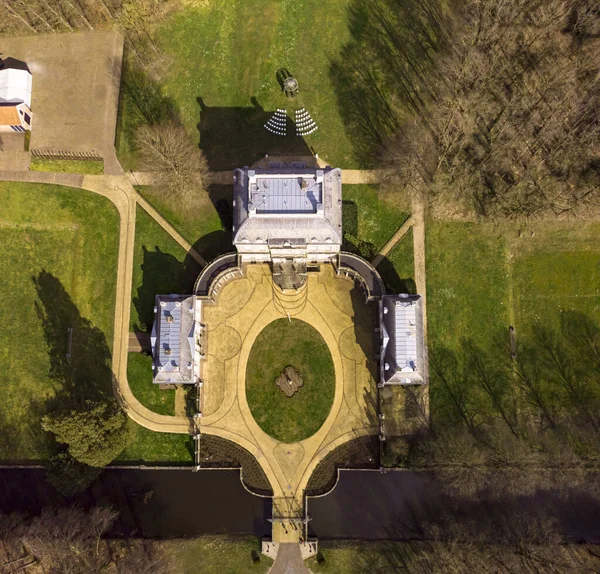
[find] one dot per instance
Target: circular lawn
(281, 344)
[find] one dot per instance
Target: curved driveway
(245, 306)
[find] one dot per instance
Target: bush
(350, 218)
(95, 434)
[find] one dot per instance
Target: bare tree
(181, 168)
(513, 127)
(71, 541)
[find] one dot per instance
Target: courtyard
(283, 410)
(247, 306)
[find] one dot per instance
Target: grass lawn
(482, 278)
(215, 554)
(343, 557)
(146, 446)
(72, 235)
(221, 59)
(160, 267)
(398, 269)
(554, 271)
(139, 376)
(300, 345)
(467, 283)
(201, 225)
(88, 167)
(229, 52)
(378, 218)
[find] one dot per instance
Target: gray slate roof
(173, 339)
(402, 353)
(312, 213)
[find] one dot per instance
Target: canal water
(364, 505)
(151, 503)
(400, 505)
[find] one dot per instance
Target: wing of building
(175, 339)
(287, 214)
(402, 357)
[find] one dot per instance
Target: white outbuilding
(15, 97)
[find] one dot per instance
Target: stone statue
(289, 381)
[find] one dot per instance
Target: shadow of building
(162, 273)
(232, 137)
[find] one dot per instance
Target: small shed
(15, 96)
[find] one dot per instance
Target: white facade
(288, 214)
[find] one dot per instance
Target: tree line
(469, 555)
(21, 17)
(506, 122)
(73, 541)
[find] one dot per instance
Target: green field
(467, 283)
(555, 271)
(377, 217)
(219, 62)
(90, 167)
(211, 554)
(160, 266)
(72, 235)
(481, 278)
(139, 377)
(301, 346)
(202, 224)
(146, 446)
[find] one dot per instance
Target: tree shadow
(385, 71)
(141, 101)
(80, 359)
(162, 274)
(232, 137)
(392, 281)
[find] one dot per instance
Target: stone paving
(243, 309)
